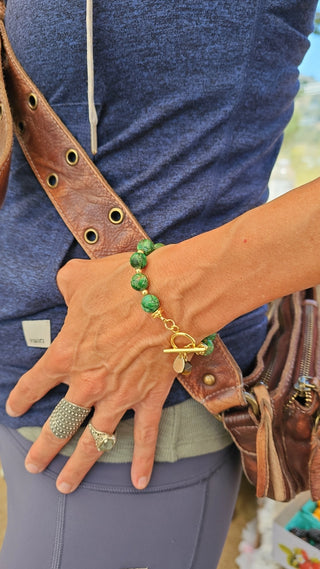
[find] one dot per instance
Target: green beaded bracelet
(138, 260)
(151, 304)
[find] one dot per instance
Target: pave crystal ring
(66, 418)
(104, 441)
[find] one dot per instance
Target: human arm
(110, 352)
(265, 253)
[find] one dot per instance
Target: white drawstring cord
(93, 119)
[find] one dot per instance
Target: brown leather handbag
(278, 432)
(272, 415)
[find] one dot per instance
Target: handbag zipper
(267, 373)
(265, 377)
(303, 386)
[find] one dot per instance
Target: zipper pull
(303, 391)
(303, 384)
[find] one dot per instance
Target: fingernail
(64, 487)
(32, 468)
(10, 411)
(143, 482)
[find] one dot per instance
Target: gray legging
(179, 522)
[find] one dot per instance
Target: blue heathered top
(192, 98)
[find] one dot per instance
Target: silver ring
(66, 418)
(104, 441)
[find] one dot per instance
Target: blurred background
(299, 159)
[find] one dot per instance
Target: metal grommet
(72, 157)
(21, 127)
(52, 180)
(1, 111)
(91, 236)
(116, 215)
(209, 379)
(33, 101)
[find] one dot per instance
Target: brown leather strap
(86, 203)
(101, 223)
(5, 126)
(268, 464)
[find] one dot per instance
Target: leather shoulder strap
(93, 212)
(6, 137)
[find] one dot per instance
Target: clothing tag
(37, 333)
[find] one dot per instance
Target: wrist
(177, 277)
(204, 282)
(187, 344)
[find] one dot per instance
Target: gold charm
(182, 365)
(179, 364)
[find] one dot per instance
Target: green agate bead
(139, 282)
(138, 260)
(145, 245)
(211, 337)
(210, 345)
(150, 303)
(158, 245)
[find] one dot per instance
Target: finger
(49, 371)
(62, 424)
(146, 427)
(43, 450)
(84, 456)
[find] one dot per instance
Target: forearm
(272, 250)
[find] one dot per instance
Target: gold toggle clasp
(190, 348)
(181, 363)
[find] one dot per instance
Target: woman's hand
(110, 354)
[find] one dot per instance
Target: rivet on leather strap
(33, 101)
(209, 379)
(52, 180)
(21, 127)
(72, 157)
(91, 236)
(116, 215)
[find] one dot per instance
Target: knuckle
(92, 387)
(68, 268)
(146, 435)
(46, 444)
(119, 398)
(67, 272)
(87, 447)
(61, 353)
